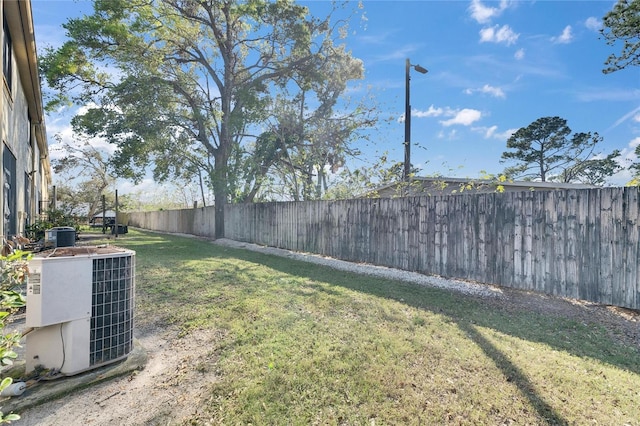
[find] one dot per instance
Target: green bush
(55, 218)
(13, 274)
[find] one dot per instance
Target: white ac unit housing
(80, 304)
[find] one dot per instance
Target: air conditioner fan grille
(111, 335)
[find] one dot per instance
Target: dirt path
(175, 378)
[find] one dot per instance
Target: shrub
(36, 231)
(13, 274)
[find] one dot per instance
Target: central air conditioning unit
(80, 304)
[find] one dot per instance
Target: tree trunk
(220, 202)
(220, 171)
(202, 193)
(220, 196)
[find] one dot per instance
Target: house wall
(16, 139)
(22, 131)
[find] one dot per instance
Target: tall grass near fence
(582, 244)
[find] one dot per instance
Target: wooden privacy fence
(199, 221)
(582, 244)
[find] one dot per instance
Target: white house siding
(17, 141)
(23, 182)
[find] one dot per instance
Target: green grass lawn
(299, 343)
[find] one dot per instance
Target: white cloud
(463, 117)
(147, 189)
(608, 95)
(564, 38)
(489, 90)
(431, 112)
(633, 114)
(492, 132)
(483, 14)
(519, 55)
(497, 34)
(451, 135)
(398, 53)
(594, 24)
(506, 134)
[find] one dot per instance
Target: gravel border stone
(473, 289)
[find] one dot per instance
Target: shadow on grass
(514, 375)
(510, 371)
(559, 333)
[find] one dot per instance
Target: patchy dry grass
(303, 344)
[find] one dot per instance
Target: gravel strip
(372, 270)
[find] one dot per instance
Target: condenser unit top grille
(80, 251)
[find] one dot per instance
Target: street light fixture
(407, 121)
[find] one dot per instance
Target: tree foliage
(545, 150)
(306, 141)
(366, 180)
(183, 83)
(622, 24)
(87, 166)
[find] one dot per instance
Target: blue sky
(494, 67)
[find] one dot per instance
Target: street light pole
(407, 120)
(407, 126)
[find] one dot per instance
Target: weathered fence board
(632, 255)
(578, 243)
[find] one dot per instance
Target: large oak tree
(181, 83)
